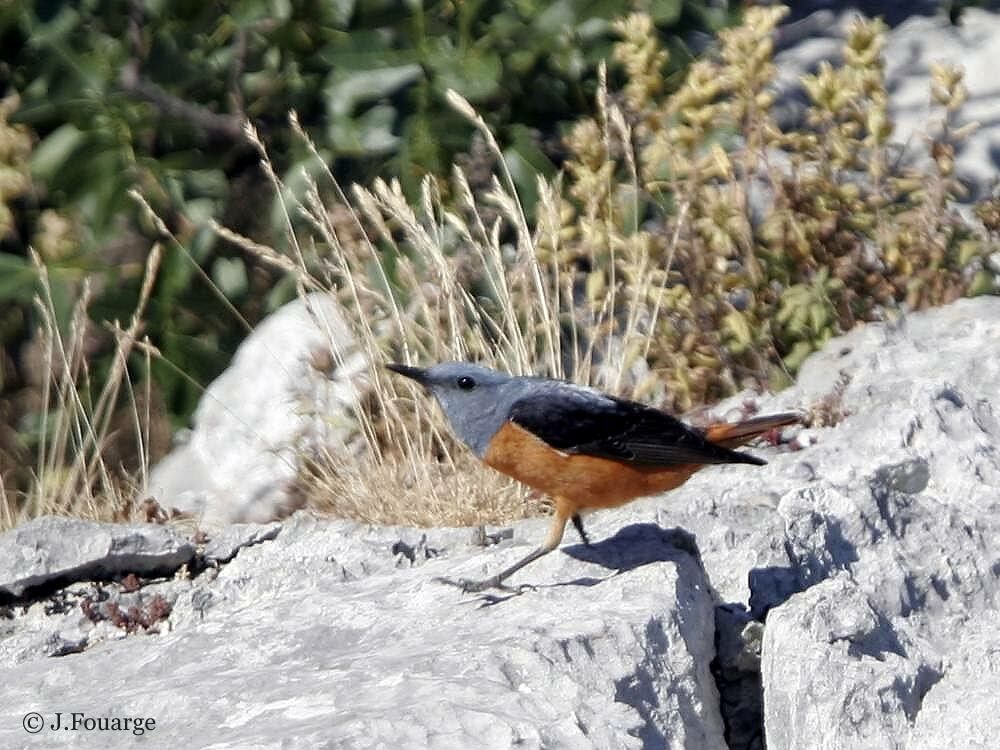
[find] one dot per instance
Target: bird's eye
(466, 383)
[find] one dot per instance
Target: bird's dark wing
(578, 420)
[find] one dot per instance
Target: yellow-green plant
(15, 151)
(765, 243)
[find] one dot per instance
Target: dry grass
(647, 276)
(80, 419)
(403, 276)
(463, 493)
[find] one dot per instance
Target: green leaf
(231, 276)
(281, 293)
(295, 182)
(17, 279)
(474, 74)
(365, 50)
(525, 179)
(557, 17)
(525, 143)
(370, 134)
(665, 12)
(54, 152)
(800, 351)
(342, 12)
(738, 333)
(54, 30)
(982, 283)
(345, 92)
(200, 210)
(202, 244)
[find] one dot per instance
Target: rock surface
(961, 710)
(272, 403)
(48, 550)
(895, 545)
(318, 639)
(223, 546)
(844, 595)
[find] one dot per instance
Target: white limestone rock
(961, 710)
(861, 573)
(50, 550)
(895, 547)
(269, 407)
(288, 650)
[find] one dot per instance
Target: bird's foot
(578, 523)
(476, 587)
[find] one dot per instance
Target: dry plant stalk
(651, 275)
(647, 276)
(456, 278)
(72, 476)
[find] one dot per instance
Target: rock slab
(49, 550)
(892, 551)
(295, 644)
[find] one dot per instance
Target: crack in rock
(49, 553)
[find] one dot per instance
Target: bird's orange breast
(588, 482)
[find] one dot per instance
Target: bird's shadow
(632, 547)
(629, 548)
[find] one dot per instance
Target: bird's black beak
(414, 373)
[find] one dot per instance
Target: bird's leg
(578, 523)
(496, 582)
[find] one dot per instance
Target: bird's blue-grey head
(475, 399)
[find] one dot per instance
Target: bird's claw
(477, 587)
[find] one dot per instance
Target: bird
(586, 449)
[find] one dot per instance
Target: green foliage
(127, 94)
(688, 248)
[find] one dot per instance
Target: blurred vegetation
(765, 243)
(646, 227)
(691, 248)
(101, 97)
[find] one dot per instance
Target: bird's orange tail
(733, 435)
